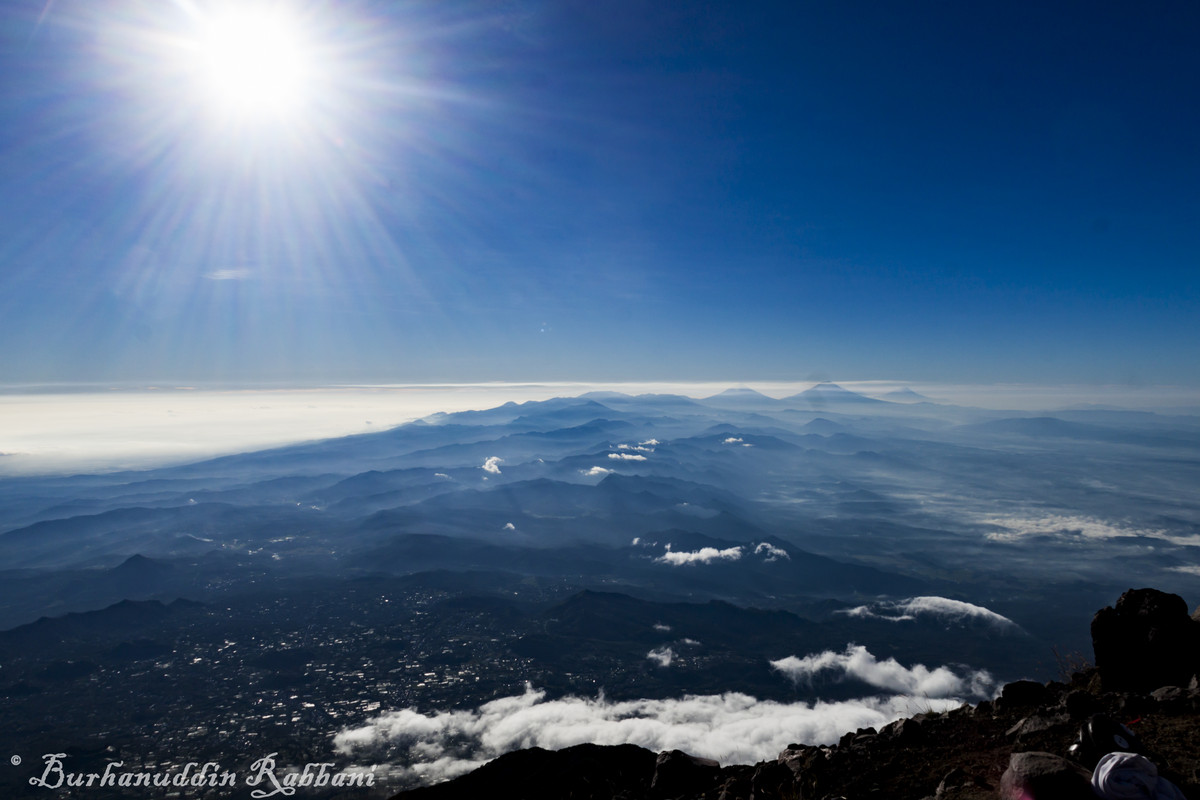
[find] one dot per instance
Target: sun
(253, 62)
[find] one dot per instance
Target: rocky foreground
(1147, 676)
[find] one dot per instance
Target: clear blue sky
(509, 190)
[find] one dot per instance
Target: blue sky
(533, 191)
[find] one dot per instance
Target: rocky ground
(1148, 653)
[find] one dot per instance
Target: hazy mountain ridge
(818, 477)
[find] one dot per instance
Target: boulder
(1080, 704)
(583, 772)
(772, 781)
(1044, 775)
(1145, 641)
(677, 774)
(1022, 694)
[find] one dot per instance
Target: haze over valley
(559, 569)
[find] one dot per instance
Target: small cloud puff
(595, 472)
(626, 457)
(704, 555)
(658, 626)
(772, 552)
(733, 440)
(508, 526)
(859, 664)
(492, 465)
(661, 656)
(640, 447)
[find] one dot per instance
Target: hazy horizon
(82, 429)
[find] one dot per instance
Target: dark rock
(676, 773)
(953, 778)
(1022, 694)
(984, 709)
(772, 781)
(962, 711)
(585, 772)
(799, 759)
(1036, 723)
(1146, 641)
(1044, 775)
(735, 788)
(903, 730)
(864, 740)
(1080, 704)
(1171, 698)
(1165, 693)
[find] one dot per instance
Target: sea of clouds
(730, 727)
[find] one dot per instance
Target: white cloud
(731, 728)
(772, 552)
(595, 471)
(650, 443)
(1191, 569)
(508, 526)
(944, 607)
(658, 626)
(639, 447)
(704, 555)
(441, 475)
(858, 663)
(661, 656)
(492, 465)
(733, 440)
(626, 457)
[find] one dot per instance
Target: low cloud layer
(731, 728)
(595, 472)
(858, 663)
(933, 606)
(492, 465)
(1072, 527)
(626, 457)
